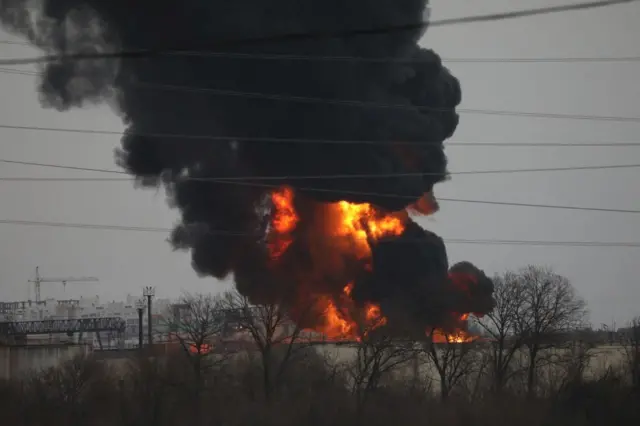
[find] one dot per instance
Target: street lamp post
(149, 292)
(140, 308)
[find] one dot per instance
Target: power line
(333, 176)
(378, 60)
(21, 72)
(564, 59)
(530, 12)
(453, 200)
(276, 38)
(313, 141)
(14, 42)
(369, 104)
(244, 182)
(544, 144)
(544, 243)
(59, 166)
(546, 206)
(245, 234)
(138, 53)
(84, 226)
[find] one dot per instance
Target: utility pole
(140, 308)
(149, 292)
(38, 280)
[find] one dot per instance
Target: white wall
(17, 361)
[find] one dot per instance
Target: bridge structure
(16, 331)
(58, 326)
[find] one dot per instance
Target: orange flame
(343, 321)
(360, 224)
(284, 221)
(458, 336)
(363, 222)
(202, 349)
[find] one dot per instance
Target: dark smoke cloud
(474, 288)
(142, 91)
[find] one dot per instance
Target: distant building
(92, 307)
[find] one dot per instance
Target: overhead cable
(368, 104)
(227, 233)
(336, 176)
(140, 53)
(260, 139)
(380, 60)
(251, 181)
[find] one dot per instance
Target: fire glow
(361, 224)
(340, 256)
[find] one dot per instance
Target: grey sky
(606, 277)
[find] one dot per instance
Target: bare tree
(197, 322)
(275, 336)
(452, 360)
(631, 345)
(501, 326)
(377, 354)
(147, 386)
(572, 364)
(72, 391)
(550, 310)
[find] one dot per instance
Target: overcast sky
(606, 276)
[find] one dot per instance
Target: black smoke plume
(164, 98)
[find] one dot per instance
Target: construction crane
(39, 280)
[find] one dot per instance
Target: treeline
(528, 373)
